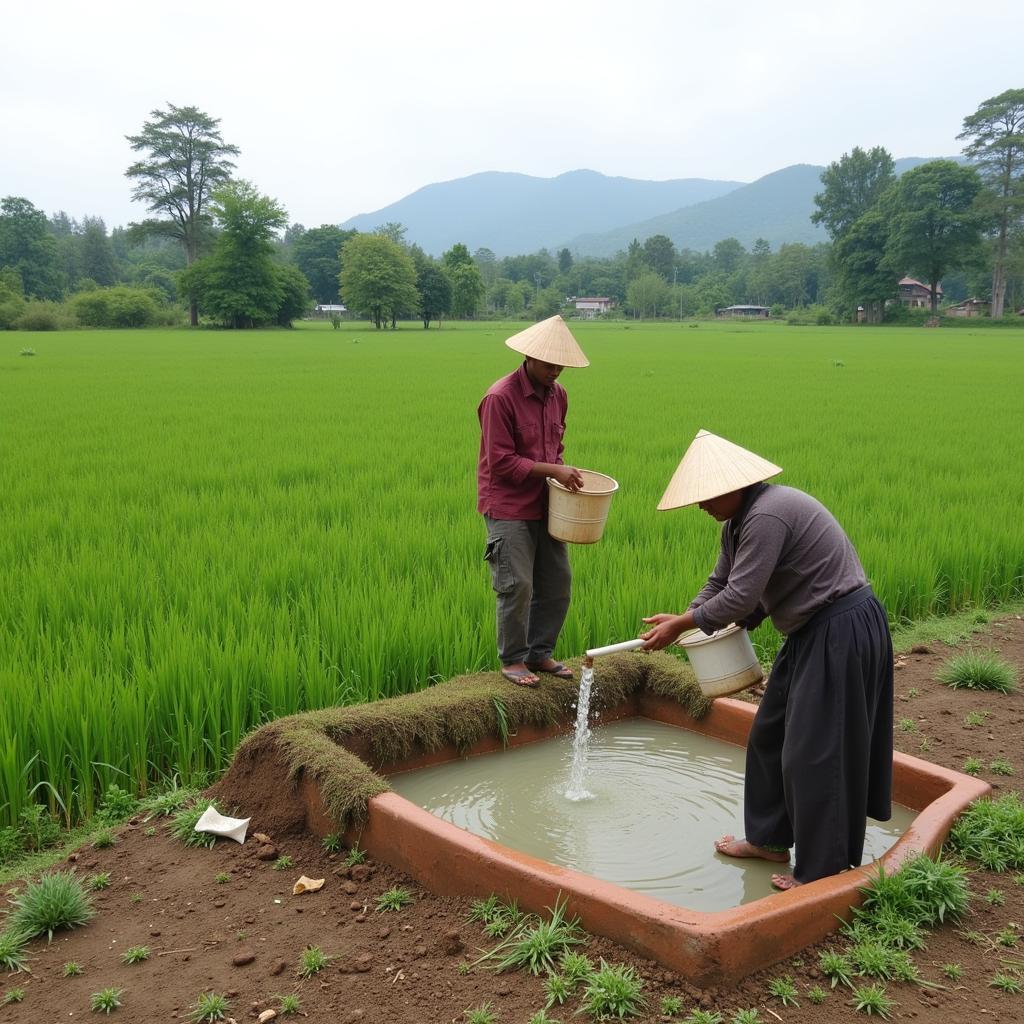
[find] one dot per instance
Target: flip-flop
(521, 677)
(558, 670)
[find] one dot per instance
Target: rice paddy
(204, 531)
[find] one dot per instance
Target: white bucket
(579, 517)
(724, 662)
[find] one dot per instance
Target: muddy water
(660, 797)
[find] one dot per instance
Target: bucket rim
(697, 637)
(552, 482)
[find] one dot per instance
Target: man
(522, 423)
(819, 757)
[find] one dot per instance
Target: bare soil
(243, 938)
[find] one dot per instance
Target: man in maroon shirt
(522, 422)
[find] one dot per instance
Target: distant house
(588, 308)
(744, 311)
(915, 294)
(970, 307)
(325, 310)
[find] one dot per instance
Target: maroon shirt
(518, 428)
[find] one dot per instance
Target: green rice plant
(671, 1006)
(12, 950)
(975, 670)
(872, 1000)
(98, 882)
(331, 842)
(72, 969)
(183, 826)
(614, 991)
(995, 897)
(288, 1004)
(747, 1016)
(135, 954)
(535, 944)
(355, 856)
(972, 766)
(1000, 766)
(482, 1014)
(312, 961)
(784, 990)
(103, 839)
(817, 995)
(1007, 983)
(556, 990)
(698, 1016)
(283, 863)
(952, 971)
(394, 899)
(209, 1007)
(992, 833)
(836, 967)
(56, 901)
(14, 995)
(576, 967)
(107, 1000)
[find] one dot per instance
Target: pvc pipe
(628, 645)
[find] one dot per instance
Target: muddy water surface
(660, 797)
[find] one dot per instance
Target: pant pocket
(502, 578)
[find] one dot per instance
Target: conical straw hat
(550, 341)
(711, 467)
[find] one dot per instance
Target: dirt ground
(243, 937)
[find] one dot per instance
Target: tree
(317, 253)
(863, 275)
(646, 293)
(564, 261)
(393, 230)
(995, 143)
(853, 184)
(435, 291)
(238, 283)
(935, 226)
(467, 289)
(97, 255)
(487, 263)
(457, 255)
(27, 246)
(728, 254)
(660, 255)
(186, 161)
(378, 278)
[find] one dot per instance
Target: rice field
(203, 531)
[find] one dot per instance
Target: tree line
(215, 244)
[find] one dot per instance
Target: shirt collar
(527, 385)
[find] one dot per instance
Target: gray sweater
(783, 555)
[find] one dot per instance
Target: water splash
(577, 790)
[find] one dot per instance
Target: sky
(341, 109)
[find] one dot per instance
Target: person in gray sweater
(819, 756)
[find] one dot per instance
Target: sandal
(521, 677)
(558, 670)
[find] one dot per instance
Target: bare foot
(785, 882)
(733, 847)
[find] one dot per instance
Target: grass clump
(183, 826)
(556, 990)
(576, 967)
(482, 1014)
(282, 863)
(12, 951)
(56, 901)
(209, 1007)
(107, 1000)
(312, 961)
(14, 995)
(99, 881)
(394, 899)
(749, 1015)
(355, 856)
(614, 991)
(135, 955)
(331, 843)
(288, 1004)
(497, 918)
(222, 878)
(168, 803)
(1007, 983)
(784, 990)
(872, 1000)
(952, 971)
(1000, 766)
(104, 839)
(924, 892)
(671, 1006)
(536, 945)
(992, 833)
(698, 1016)
(72, 969)
(836, 967)
(976, 670)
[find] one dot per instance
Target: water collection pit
(708, 946)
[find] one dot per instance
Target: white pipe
(628, 645)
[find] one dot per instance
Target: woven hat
(711, 467)
(550, 341)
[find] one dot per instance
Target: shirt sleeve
(758, 551)
(497, 428)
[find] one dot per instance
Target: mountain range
(595, 215)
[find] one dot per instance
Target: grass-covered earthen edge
(342, 749)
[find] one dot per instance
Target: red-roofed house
(915, 294)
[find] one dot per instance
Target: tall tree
(863, 275)
(378, 278)
(853, 184)
(995, 143)
(660, 255)
(564, 261)
(435, 291)
(467, 289)
(457, 255)
(728, 254)
(186, 160)
(97, 254)
(487, 263)
(27, 246)
(317, 253)
(935, 226)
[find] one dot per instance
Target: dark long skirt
(819, 757)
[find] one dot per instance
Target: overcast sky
(342, 108)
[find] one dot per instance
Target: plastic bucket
(724, 662)
(579, 518)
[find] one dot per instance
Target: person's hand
(666, 631)
(569, 477)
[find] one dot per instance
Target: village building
(325, 310)
(744, 311)
(915, 294)
(970, 307)
(587, 307)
